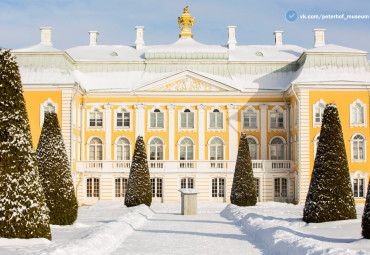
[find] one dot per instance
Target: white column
(233, 131)
(264, 122)
(108, 131)
(171, 131)
(83, 145)
(201, 132)
(139, 119)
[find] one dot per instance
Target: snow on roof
(52, 75)
(37, 48)
(187, 44)
(266, 53)
(333, 48)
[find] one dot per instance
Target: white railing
(182, 165)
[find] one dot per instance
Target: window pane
(277, 187)
(89, 187)
(183, 120)
(92, 152)
(213, 152)
(153, 120)
(160, 123)
(361, 188)
(190, 120)
(118, 187)
(212, 120)
(126, 152)
(219, 120)
(355, 187)
(126, 120)
(119, 152)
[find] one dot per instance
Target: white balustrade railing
(182, 165)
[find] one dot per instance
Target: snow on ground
(279, 228)
(268, 228)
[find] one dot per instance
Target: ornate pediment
(187, 84)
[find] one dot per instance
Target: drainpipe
(299, 142)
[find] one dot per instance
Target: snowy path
(171, 233)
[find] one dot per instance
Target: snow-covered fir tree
(55, 173)
(139, 188)
(243, 191)
(330, 196)
(23, 211)
(366, 215)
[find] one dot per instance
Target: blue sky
(115, 20)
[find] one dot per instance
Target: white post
(231, 43)
(233, 133)
(108, 131)
(171, 131)
(201, 132)
(140, 119)
(139, 37)
(264, 122)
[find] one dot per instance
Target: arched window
(277, 118)
(250, 119)
(318, 111)
(216, 148)
(358, 145)
(277, 149)
(357, 113)
(123, 149)
(96, 149)
(253, 147)
(186, 149)
(49, 108)
(156, 149)
(216, 119)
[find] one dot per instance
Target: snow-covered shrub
(243, 191)
(366, 216)
(23, 211)
(55, 173)
(330, 196)
(139, 188)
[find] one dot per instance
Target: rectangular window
(187, 183)
(358, 187)
(157, 120)
(120, 187)
(123, 119)
(277, 120)
(187, 120)
(250, 120)
(92, 187)
(96, 119)
(216, 119)
(156, 186)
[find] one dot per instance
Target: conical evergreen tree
(330, 196)
(366, 216)
(55, 174)
(23, 211)
(139, 188)
(243, 191)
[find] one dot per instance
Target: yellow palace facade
(190, 102)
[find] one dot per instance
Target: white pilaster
(233, 131)
(83, 132)
(139, 119)
(201, 132)
(171, 131)
(108, 131)
(264, 144)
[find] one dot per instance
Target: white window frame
(284, 147)
(164, 147)
(122, 178)
(315, 144)
(88, 147)
(250, 107)
(209, 147)
(93, 109)
(257, 145)
(314, 106)
(186, 182)
(116, 144)
(351, 106)
(360, 175)
(42, 109)
(352, 153)
(122, 108)
(150, 129)
(179, 145)
(93, 188)
(277, 108)
(223, 129)
(179, 128)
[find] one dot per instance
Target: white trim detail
(157, 107)
(123, 109)
(179, 128)
(92, 109)
(277, 108)
(364, 144)
(223, 129)
(250, 107)
(319, 104)
(351, 117)
(42, 109)
(257, 144)
(88, 146)
(360, 175)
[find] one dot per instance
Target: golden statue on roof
(186, 23)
